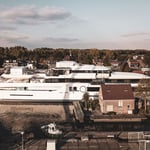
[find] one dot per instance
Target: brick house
(116, 98)
(134, 64)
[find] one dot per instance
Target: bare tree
(143, 91)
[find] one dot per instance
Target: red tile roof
(117, 92)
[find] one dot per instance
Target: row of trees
(89, 103)
(44, 55)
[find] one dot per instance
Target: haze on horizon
(102, 24)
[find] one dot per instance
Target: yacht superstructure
(68, 81)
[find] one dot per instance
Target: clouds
(15, 38)
(61, 39)
(136, 34)
(15, 29)
(33, 23)
(12, 39)
(18, 39)
(7, 28)
(33, 15)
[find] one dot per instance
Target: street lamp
(22, 139)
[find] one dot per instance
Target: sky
(101, 24)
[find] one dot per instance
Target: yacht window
(20, 88)
(92, 88)
(114, 81)
(108, 80)
(134, 80)
(25, 88)
(51, 80)
(127, 81)
(54, 80)
(70, 88)
(75, 88)
(120, 81)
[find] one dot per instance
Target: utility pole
(22, 133)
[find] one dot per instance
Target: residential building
(116, 98)
(134, 64)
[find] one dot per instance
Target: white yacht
(68, 81)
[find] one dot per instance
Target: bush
(111, 113)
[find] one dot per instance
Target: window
(113, 81)
(75, 88)
(72, 88)
(109, 108)
(93, 89)
(120, 103)
(120, 81)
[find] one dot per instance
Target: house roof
(117, 92)
(134, 62)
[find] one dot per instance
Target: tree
(125, 67)
(95, 104)
(86, 100)
(143, 91)
(106, 61)
(147, 58)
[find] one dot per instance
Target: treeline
(51, 55)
